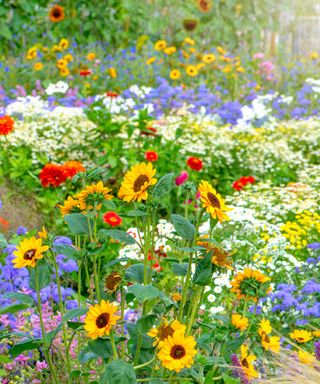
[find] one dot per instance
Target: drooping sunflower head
(56, 13)
(28, 252)
(100, 319)
(136, 182)
(246, 363)
(93, 196)
(112, 282)
(177, 351)
(213, 202)
(250, 285)
(165, 330)
(70, 205)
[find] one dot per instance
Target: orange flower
(112, 218)
(56, 13)
(71, 168)
(6, 125)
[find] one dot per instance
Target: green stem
(145, 364)
(43, 332)
(122, 325)
(195, 305)
(113, 344)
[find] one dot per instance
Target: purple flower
(315, 245)
(21, 230)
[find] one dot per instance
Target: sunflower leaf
(164, 186)
(183, 227)
(118, 371)
(116, 234)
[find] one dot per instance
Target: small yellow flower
(112, 72)
(240, 69)
(160, 45)
(175, 74)
(64, 72)
(151, 60)
(306, 357)
(189, 41)
(91, 56)
(208, 58)
(239, 322)
(301, 335)
(43, 234)
(191, 70)
(32, 53)
(221, 50)
(170, 50)
(64, 44)
(68, 57)
(176, 296)
(56, 48)
(38, 66)
(61, 63)
(314, 55)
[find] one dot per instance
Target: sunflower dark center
(214, 201)
(102, 320)
(164, 332)
(29, 255)
(177, 352)
(245, 363)
(139, 183)
(56, 12)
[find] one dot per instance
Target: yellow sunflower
(239, 322)
(136, 182)
(208, 58)
(175, 74)
(64, 44)
(306, 357)
(170, 50)
(61, 63)
(68, 57)
(301, 336)
(112, 72)
(100, 319)
(64, 72)
(32, 53)
(70, 205)
(177, 351)
(28, 252)
(191, 70)
(160, 45)
(268, 342)
(165, 330)
(38, 66)
(246, 363)
(250, 285)
(94, 195)
(213, 202)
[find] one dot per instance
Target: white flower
(217, 289)
(211, 298)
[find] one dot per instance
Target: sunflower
(239, 322)
(213, 202)
(70, 205)
(204, 5)
(246, 363)
(56, 13)
(28, 252)
(61, 63)
(112, 72)
(38, 66)
(160, 45)
(175, 74)
(112, 282)
(250, 285)
(306, 357)
(177, 351)
(64, 44)
(94, 195)
(191, 70)
(170, 50)
(32, 53)
(100, 319)
(165, 330)
(136, 182)
(301, 336)
(268, 342)
(208, 58)
(151, 60)
(68, 57)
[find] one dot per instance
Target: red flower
(71, 168)
(85, 72)
(52, 175)
(112, 218)
(195, 163)
(4, 223)
(239, 184)
(112, 94)
(150, 131)
(6, 125)
(151, 156)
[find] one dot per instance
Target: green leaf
(67, 251)
(135, 273)
(118, 371)
(74, 324)
(74, 313)
(22, 297)
(183, 227)
(78, 223)
(164, 186)
(136, 213)
(25, 345)
(101, 348)
(44, 275)
(86, 355)
(229, 380)
(5, 31)
(203, 273)
(180, 269)
(234, 345)
(14, 308)
(145, 323)
(3, 241)
(143, 293)
(116, 234)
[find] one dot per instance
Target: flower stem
(113, 344)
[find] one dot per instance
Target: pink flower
(40, 365)
(182, 178)
(258, 56)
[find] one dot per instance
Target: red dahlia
(239, 184)
(112, 218)
(52, 175)
(195, 163)
(151, 156)
(6, 125)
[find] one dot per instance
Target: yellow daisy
(160, 45)
(28, 252)
(61, 63)
(64, 43)
(43, 233)
(70, 205)
(151, 60)
(100, 319)
(170, 50)
(112, 72)
(32, 53)
(246, 363)
(191, 70)
(213, 202)
(239, 322)
(306, 357)
(94, 195)
(177, 351)
(208, 58)
(136, 182)
(301, 336)
(64, 72)
(91, 56)
(165, 330)
(175, 74)
(38, 66)
(68, 57)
